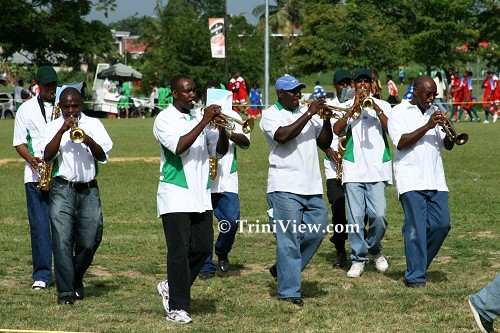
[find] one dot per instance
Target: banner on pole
(217, 38)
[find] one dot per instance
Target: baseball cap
(341, 74)
(288, 82)
(362, 72)
(46, 74)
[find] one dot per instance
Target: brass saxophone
(213, 164)
(46, 168)
(340, 156)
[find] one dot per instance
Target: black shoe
(341, 260)
(483, 324)
(274, 271)
(223, 265)
(415, 284)
(66, 300)
(80, 293)
(294, 300)
(206, 275)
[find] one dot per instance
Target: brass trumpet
(451, 133)
(228, 123)
(76, 134)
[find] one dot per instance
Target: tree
(332, 37)
(51, 31)
(106, 6)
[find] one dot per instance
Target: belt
(77, 186)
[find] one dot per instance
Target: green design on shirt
(234, 165)
(173, 171)
(349, 146)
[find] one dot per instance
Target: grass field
(121, 284)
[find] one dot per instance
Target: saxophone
(46, 168)
(340, 156)
(213, 164)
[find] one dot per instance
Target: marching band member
(367, 170)
(30, 120)
(294, 186)
(332, 163)
(420, 180)
(183, 199)
(224, 188)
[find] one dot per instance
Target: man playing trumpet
(183, 199)
(294, 184)
(366, 172)
(420, 180)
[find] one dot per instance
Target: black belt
(77, 186)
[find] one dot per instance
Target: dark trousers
(189, 238)
(336, 197)
(41, 243)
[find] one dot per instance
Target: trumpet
(228, 123)
(451, 133)
(76, 134)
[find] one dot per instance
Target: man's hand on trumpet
(317, 106)
(436, 118)
(211, 113)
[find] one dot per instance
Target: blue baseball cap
(288, 82)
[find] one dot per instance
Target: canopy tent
(120, 72)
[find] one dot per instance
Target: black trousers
(189, 237)
(336, 197)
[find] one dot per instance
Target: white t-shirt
(367, 158)
(184, 179)
(227, 169)
(28, 127)
(441, 88)
(420, 166)
(293, 166)
(74, 161)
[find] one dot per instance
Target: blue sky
(127, 8)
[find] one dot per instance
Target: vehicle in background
(7, 106)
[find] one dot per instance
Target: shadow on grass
(203, 305)
(99, 288)
(309, 288)
(432, 276)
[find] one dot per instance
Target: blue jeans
(41, 247)
(487, 301)
(365, 199)
(76, 221)
(440, 105)
(294, 247)
(427, 222)
(226, 206)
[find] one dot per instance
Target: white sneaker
(486, 122)
(380, 263)
(39, 285)
(162, 289)
(356, 270)
(495, 117)
(179, 316)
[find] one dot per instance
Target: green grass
(120, 285)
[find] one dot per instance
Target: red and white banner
(217, 38)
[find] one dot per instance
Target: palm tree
(106, 6)
(284, 17)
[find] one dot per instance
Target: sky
(127, 8)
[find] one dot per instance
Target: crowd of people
(199, 179)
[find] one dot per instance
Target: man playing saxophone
(333, 172)
(420, 181)
(31, 117)
(367, 170)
